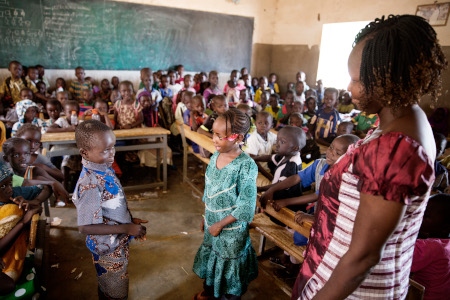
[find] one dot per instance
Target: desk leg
(165, 162)
(158, 161)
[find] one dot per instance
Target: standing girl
(226, 260)
(127, 111)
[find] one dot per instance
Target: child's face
(68, 108)
(20, 157)
(197, 106)
(79, 73)
(297, 107)
(329, 99)
(248, 112)
(156, 77)
(16, 71)
(101, 107)
(284, 144)
(180, 71)
(59, 83)
(255, 81)
(233, 76)
(290, 86)
(337, 148)
(220, 106)
(115, 81)
(187, 101)
(102, 151)
(6, 190)
(187, 81)
(147, 81)
(126, 92)
(172, 78)
(294, 120)
(87, 95)
(263, 83)
(164, 82)
(273, 102)
(343, 129)
(223, 142)
(53, 111)
(243, 95)
(33, 74)
(263, 100)
(42, 88)
(311, 105)
(30, 114)
(346, 99)
(214, 79)
(25, 94)
(263, 124)
(41, 71)
(105, 85)
(289, 101)
(34, 137)
(299, 88)
(62, 97)
(146, 101)
(273, 78)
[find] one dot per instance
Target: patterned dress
(99, 199)
(228, 262)
(391, 165)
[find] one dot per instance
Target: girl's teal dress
(228, 262)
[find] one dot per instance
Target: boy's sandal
(276, 261)
(200, 296)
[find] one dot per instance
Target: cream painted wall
(298, 24)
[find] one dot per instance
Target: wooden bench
(201, 140)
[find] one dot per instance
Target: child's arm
(217, 227)
(137, 123)
(279, 204)
(53, 172)
(264, 171)
(194, 125)
(58, 189)
(282, 185)
(264, 158)
(136, 230)
(107, 120)
(204, 132)
(302, 218)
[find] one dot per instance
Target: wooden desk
(160, 134)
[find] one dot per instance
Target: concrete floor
(161, 266)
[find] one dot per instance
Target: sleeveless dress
(391, 165)
(228, 262)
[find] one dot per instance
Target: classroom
(161, 164)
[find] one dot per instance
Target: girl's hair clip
(232, 137)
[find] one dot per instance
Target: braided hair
(401, 61)
(239, 122)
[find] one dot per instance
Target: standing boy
(79, 84)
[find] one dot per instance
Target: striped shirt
(393, 166)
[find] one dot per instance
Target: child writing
(226, 259)
(324, 124)
(102, 210)
(219, 105)
(127, 111)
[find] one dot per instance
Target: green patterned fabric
(228, 262)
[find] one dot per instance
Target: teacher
(371, 202)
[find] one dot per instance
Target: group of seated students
(283, 140)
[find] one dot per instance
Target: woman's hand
(215, 229)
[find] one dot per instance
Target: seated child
(17, 153)
(219, 105)
(274, 107)
(188, 83)
(33, 134)
(87, 101)
(11, 87)
(127, 111)
(346, 105)
(273, 85)
(60, 85)
(312, 174)
(95, 89)
(27, 112)
(261, 142)
(286, 110)
(213, 88)
(115, 82)
(54, 109)
(196, 119)
(102, 109)
(41, 95)
(164, 89)
(102, 210)
(15, 216)
(310, 104)
(363, 123)
(324, 124)
(431, 258)
(344, 128)
(296, 119)
(264, 102)
(105, 91)
(262, 87)
(62, 97)
(441, 174)
(146, 83)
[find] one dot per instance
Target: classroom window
(335, 47)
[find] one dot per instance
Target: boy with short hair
(324, 124)
(11, 87)
(79, 84)
(344, 128)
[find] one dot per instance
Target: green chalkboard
(109, 35)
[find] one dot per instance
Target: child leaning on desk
(102, 210)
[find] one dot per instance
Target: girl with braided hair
(226, 259)
(371, 202)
